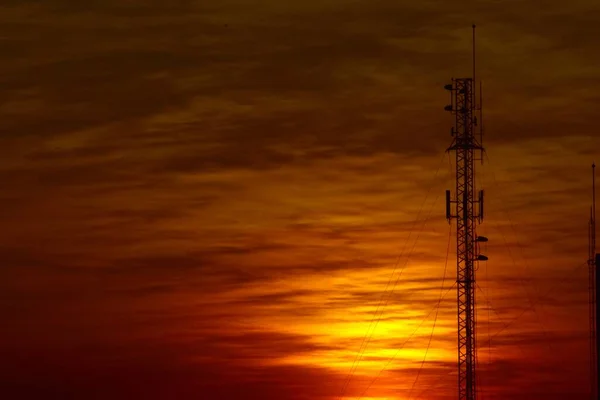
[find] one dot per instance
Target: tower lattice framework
(468, 213)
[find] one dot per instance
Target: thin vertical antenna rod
(594, 207)
(474, 80)
(481, 115)
(593, 295)
(468, 212)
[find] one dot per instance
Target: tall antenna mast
(593, 295)
(464, 143)
(473, 57)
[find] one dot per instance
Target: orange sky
(207, 201)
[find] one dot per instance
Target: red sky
(206, 200)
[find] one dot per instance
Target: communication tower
(467, 134)
(593, 261)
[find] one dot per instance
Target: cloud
(163, 377)
(195, 180)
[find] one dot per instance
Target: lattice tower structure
(468, 213)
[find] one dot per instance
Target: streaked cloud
(226, 198)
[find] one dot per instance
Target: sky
(245, 199)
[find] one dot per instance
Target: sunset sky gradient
(208, 199)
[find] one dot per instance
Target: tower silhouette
(467, 136)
